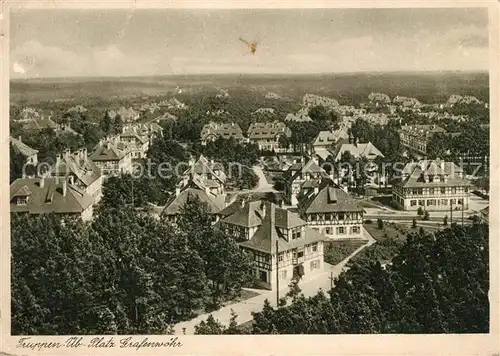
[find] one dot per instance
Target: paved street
(245, 308)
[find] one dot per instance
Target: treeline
(124, 273)
(437, 283)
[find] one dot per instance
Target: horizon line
(252, 74)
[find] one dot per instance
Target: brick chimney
(42, 182)
(64, 188)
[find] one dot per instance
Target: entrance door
(263, 276)
(298, 271)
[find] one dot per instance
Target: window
(315, 247)
(280, 257)
(431, 190)
(356, 229)
(341, 216)
(443, 190)
(413, 202)
(313, 217)
(453, 190)
(296, 234)
(314, 265)
(340, 230)
(300, 254)
(421, 202)
(459, 201)
(466, 189)
(453, 201)
(431, 202)
(420, 191)
(328, 231)
(22, 200)
(444, 201)
(414, 191)
(263, 276)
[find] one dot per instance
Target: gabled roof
(22, 148)
(267, 130)
(131, 132)
(80, 165)
(204, 166)
(367, 150)
(49, 198)
(329, 137)
(109, 151)
(224, 130)
(275, 219)
(175, 204)
(39, 124)
(328, 198)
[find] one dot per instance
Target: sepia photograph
(267, 171)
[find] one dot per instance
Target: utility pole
(451, 212)
(277, 277)
(462, 211)
(331, 280)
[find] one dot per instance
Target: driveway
(244, 309)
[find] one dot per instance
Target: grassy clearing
(337, 251)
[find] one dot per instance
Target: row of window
(335, 216)
(339, 230)
(431, 202)
(442, 190)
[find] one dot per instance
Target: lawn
(389, 239)
(337, 251)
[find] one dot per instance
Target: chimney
(71, 180)
(64, 188)
(316, 190)
(84, 154)
(20, 139)
(263, 208)
(42, 182)
(177, 191)
(58, 158)
(442, 165)
(242, 203)
(66, 153)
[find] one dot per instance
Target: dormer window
(22, 200)
(296, 233)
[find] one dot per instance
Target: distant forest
(348, 88)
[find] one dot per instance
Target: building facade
(267, 135)
(282, 245)
(214, 130)
(112, 157)
(332, 212)
(431, 185)
(416, 137)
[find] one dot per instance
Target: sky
(69, 42)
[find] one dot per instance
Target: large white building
(431, 185)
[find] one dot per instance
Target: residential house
(208, 173)
(357, 150)
(431, 185)
(38, 124)
(135, 140)
(416, 137)
(80, 171)
(267, 134)
(327, 140)
(302, 176)
(214, 130)
(50, 195)
(112, 157)
(281, 243)
(331, 211)
(29, 154)
(194, 189)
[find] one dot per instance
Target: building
(484, 215)
(214, 130)
(80, 171)
(30, 155)
(209, 174)
(431, 185)
(112, 157)
(38, 124)
(138, 144)
(49, 195)
(193, 189)
(331, 211)
(416, 137)
(267, 134)
(357, 150)
(326, 141)
(151, 130)
(259, 226)
(300, 176)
